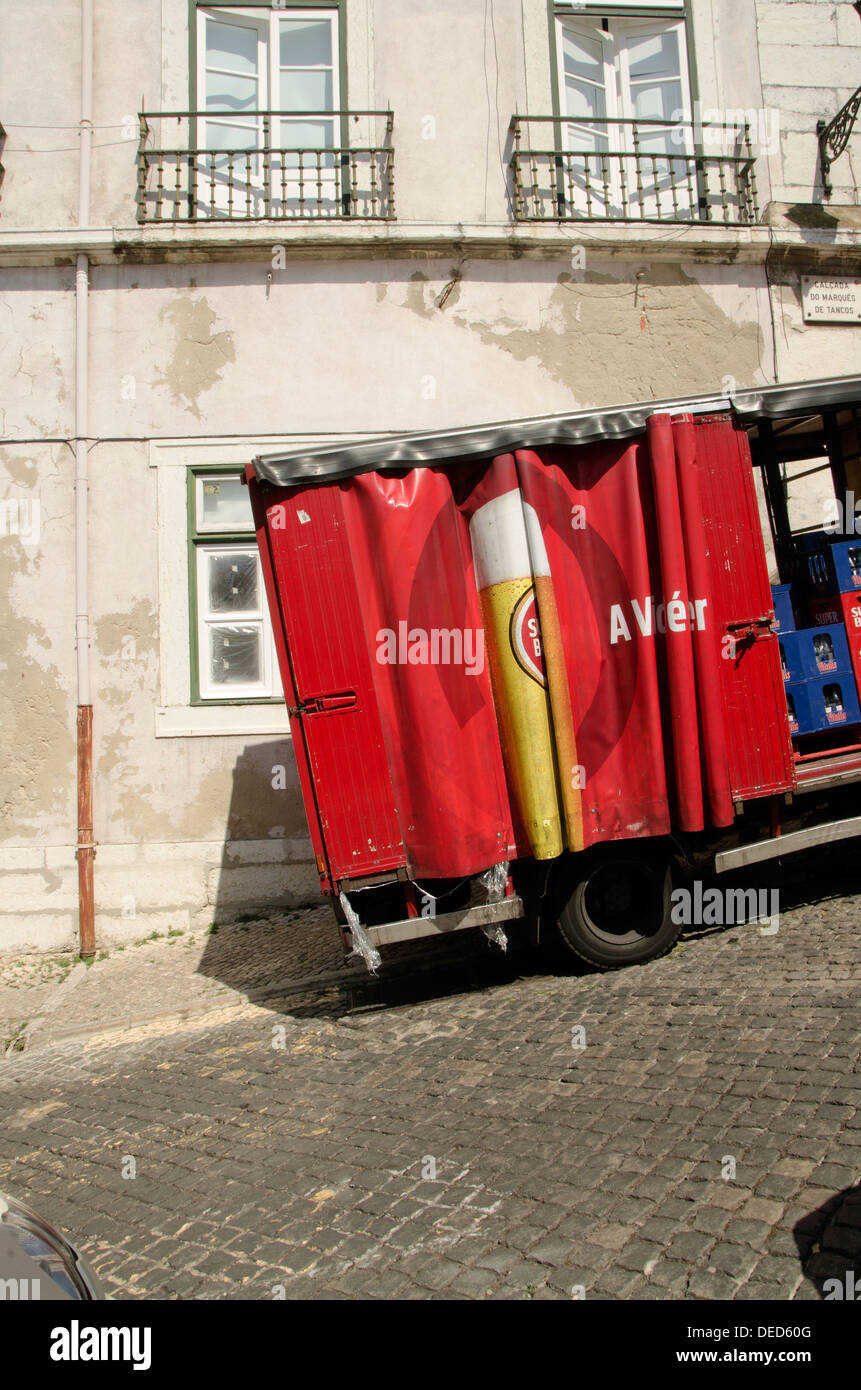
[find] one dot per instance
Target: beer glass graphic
(527, 670)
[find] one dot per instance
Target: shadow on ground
(829, 1245)
(294, 961)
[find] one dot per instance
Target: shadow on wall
(261, 931)
(829, 1246)
(267, 861)
(265, 943)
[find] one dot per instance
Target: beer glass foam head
(506, 541)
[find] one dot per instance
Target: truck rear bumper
(791, 843)
(411, 928)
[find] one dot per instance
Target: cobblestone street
(446, 1136)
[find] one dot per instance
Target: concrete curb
(217, 1004)
(35, 1025)
(127, 1022)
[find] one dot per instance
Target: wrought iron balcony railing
(633, 171)
(220, 166)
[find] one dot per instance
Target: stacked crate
(822, 663)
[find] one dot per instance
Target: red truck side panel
(411, 554)
(595, 505)
(641, 556)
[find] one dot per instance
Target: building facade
(229, 229)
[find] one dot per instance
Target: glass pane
(660, 101)
(582, 57)
(61, 1278)
(584, 102)
(227, 93)
(230, 137)
(307, 135)
(655, 56)
(224, 503)
(233, 583)
(235, 654)
(306, 42)
(586, 141)
(32, 1244)
(306, 91)
(231, 46)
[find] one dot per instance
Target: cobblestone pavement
(443, 1137)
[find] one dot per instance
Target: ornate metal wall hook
(834, 134)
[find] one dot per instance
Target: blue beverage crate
(825, 611)
(820, 571)
(835, 568)
(784, 617)
(827, 702)
(797, 709)
(790, 657)
(812, 540)
(846, 560)
(814, 651)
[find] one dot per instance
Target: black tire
(615, 906)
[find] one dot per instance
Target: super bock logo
(525, 633)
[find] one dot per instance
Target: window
(623, 86)
(233, 652)
(256, 66)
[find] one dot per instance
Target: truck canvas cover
(494, 649)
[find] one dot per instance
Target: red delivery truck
(534, 671)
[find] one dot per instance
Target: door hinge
(324, 704)
(748, 629)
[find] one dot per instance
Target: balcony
(632, 171)
(213, 166)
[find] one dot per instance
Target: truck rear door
(333, 708)
(759, 747)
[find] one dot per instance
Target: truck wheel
(619, 911)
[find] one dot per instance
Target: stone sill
(218, 721)
(779, 233)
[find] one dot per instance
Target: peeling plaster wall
(345, 346)
(37, 698)
(41, 117)
(37, 342)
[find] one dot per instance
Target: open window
(624, 97)
(269, 98)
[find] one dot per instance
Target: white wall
(196, 355)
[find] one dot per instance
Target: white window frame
(170, 461)
(269, 685)
(618, 92)
(224, 542)
(266, 22)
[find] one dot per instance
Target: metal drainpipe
(85, 846)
